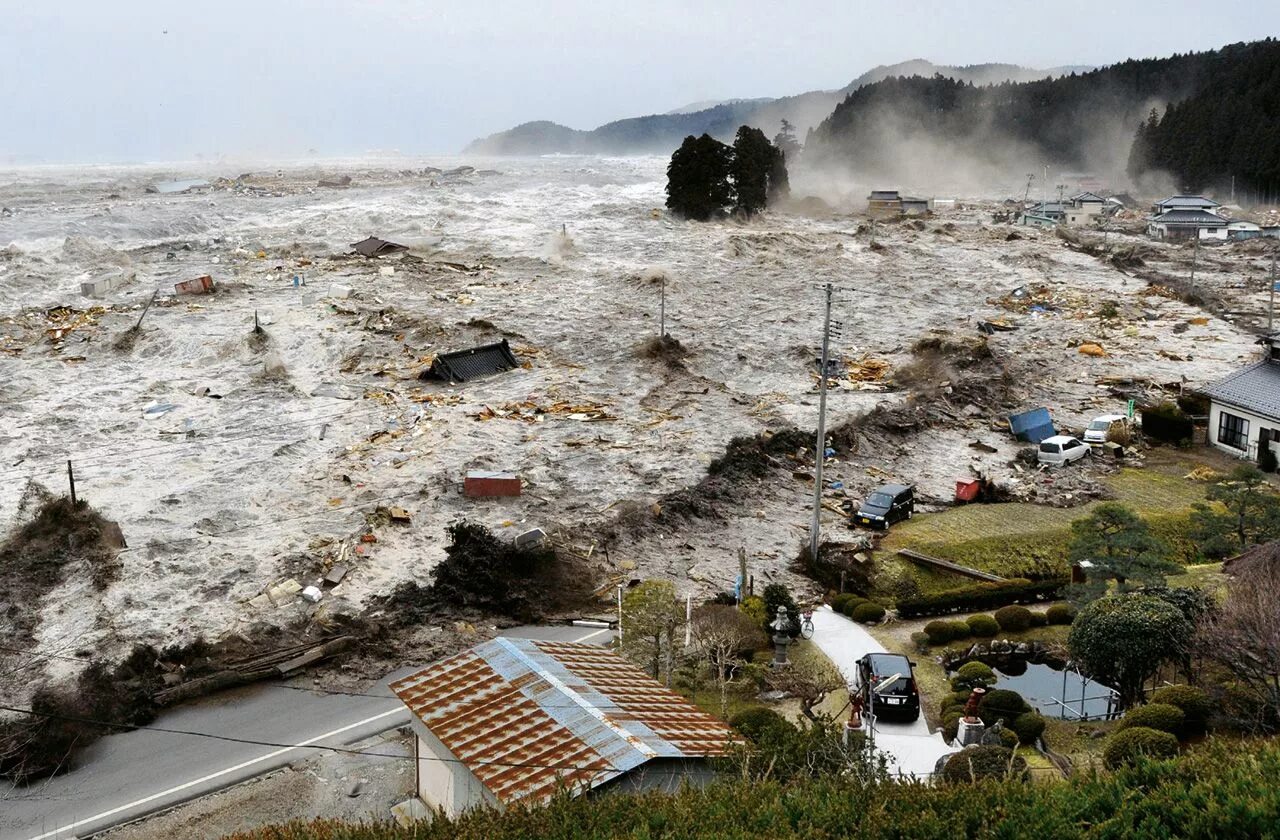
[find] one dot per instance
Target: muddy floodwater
(243, 466)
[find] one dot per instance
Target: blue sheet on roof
(1032, 426)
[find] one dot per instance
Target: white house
(1244, 408)
(1187, 224)
(518, 720)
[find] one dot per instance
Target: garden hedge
(982, 596)
(1159, 716)
(1195, 705)
(1013, 618)
(1124, 747)
(982, 625)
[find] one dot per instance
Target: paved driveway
(911, 748)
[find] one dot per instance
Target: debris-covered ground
(245, 464)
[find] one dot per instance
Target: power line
(255, 742)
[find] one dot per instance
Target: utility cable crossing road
(126, 776)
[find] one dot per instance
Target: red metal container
(481, 483)
(199, 286)
(967, 490)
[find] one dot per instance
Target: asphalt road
(123, 777)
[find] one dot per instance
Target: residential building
(1055, 210)
(1240, 230)
(517, 721)
(1184, 202)
(1244, 408)
(1187, 224)
(884, 203)
(914, 206)
(1035, 220)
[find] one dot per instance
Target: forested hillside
(662, 133)
(1228, 99)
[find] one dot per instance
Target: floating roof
(530, 718)
(465, 365)
(375, 247)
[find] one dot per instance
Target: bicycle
(806, 624)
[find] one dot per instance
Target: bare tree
(809, 679)
(1243, 636)
(721, 635)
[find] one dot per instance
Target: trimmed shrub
(1060, 614)
(959, 630)
(1039, 619)
(1159, 716)
(1124, 747)
(1009, 738)
(1014, 619)
(1028, 726)
(1003, 705)
(1166, 423)
(983, 626)
(1195, 705)
(838, 602)
(867, 612)
(921, 641)
(972, 675)
(982, 596)
(955, 700)
(939, 632)
(853, 604)
(759, 722)
(984, 762)
(951, 725)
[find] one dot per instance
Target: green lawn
(1017, 538)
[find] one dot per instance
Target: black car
(887, 504)
(898, 700)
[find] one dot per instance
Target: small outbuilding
(517, 721)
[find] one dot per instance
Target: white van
(1101, 426)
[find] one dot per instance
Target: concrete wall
(447, 785)
(1256, 424)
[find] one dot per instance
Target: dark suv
(898, 700)
(887, 504)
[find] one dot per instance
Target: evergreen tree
(786, 139)
(1119, 545)
(753, 157)
(698, 178)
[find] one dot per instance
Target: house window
(1233, 431)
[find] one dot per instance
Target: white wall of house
(1214, 233)
(1257, 423)
(448, 784)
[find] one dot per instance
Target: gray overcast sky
(95, 80)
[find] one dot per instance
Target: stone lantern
(781, 627)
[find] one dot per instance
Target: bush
(1159, 716)
(939, 632)
(984, 762)
(959, 630)
(983, 596)
(951, 725)
(1166, 423)
(1194, 703)
(759, 722)
(1009, 738)
(1060, 614)
(838, 602)
(1003, 705)
(853, 604)
(983, 626)
(1028, 726)
(753, 608)
(867, 612)
(972, 675)
(956, 700)
(921, 641)
(1039, 619)
(1013, 618)
(776, 595)
(1124, 747)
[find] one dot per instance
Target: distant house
(884, 203)
(1055, 210)
(1187, 224)
(1184, 202)
(914, 206)
(1088, 204)
(1035, 220)
(1244, 408)
(1240, 230)
(516, 721)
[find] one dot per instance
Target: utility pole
(820, 450)
(742, 576)
(1026, 194)
(1044, 187)
(71, 476)
(1271, 305)
(1233, 189)
(1195, 253)
(662, 308)
(619, 613)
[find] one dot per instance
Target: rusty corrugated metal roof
(530, 718)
